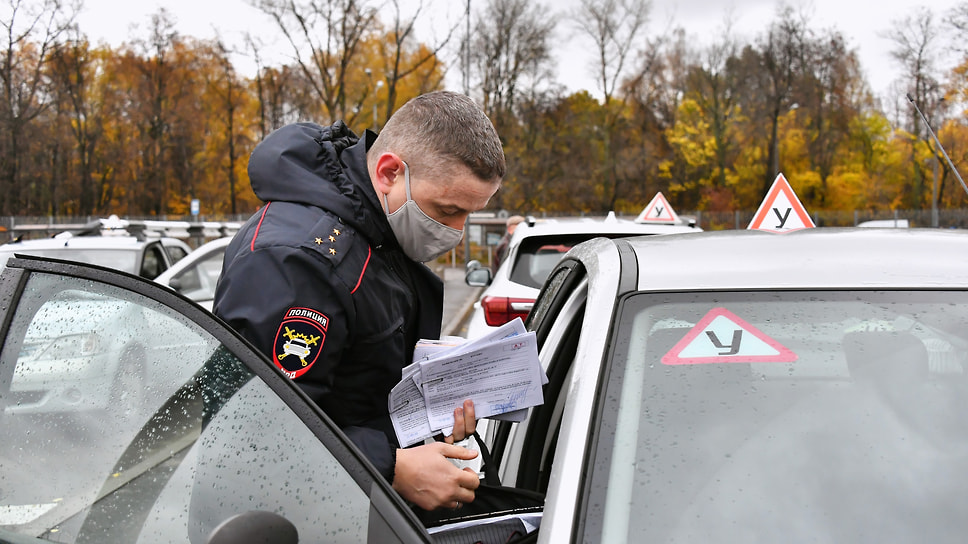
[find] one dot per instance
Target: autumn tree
(403, 60)
(76, 72)
(613, 27)
(712, 109)
(325, 37)
(30, 31)
(230, 99)
(654, 93)
(511, 43)
(830, 93)
(781, 56)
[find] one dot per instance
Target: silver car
(534, 249)
(743, 386)
(729, 387)
(147, 257)
(196, 276)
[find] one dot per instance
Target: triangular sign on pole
(781, 210)
(723, 337)
(658, 211)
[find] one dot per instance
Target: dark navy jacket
(317, 281)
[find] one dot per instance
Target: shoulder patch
(331, 239)
(299, 340)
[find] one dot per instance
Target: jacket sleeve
(375, 447)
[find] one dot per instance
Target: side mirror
(472, 265)
(176, 284)
(478, 277)
(256, 526)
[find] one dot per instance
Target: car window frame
(388, 513)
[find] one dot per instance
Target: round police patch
(299, 340)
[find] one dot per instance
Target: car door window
(176, 253)
(526, 451)
(124, 421)
(198, 282)
(153, 262)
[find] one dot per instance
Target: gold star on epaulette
(332, 238)
(332, 251)
(336, 232)
(320, 240)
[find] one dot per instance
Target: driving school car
(711, 387)
(219, 446)
(534, 249)
(744, 386)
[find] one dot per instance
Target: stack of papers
(499, 371)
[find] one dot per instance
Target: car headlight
(71, 346)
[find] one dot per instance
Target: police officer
(327, 278)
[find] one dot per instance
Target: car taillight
(500, 310)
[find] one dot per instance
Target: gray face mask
(421, 237)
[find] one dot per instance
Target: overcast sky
(860, 22)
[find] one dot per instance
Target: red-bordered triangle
(723, 337)
(658, 211)
(781, 210)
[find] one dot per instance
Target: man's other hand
(425, 476)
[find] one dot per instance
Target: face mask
(421, 237)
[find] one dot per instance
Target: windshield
(829, 416)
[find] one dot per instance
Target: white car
(196, 275)
(534, 249)
(735, 386)
(140, 255)
(744, 386)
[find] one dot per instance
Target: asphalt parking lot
(459, 298)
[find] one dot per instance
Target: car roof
(810, 258)
(83, 242)
(609, 225)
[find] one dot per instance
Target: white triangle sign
(723, 337)
(781, 210)
(658, 211)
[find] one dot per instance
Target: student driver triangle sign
(723, 337)
(658, 211)
(781, 210)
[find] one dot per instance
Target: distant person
(327, 278)
(501, 251)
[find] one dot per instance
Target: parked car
(145, 256)
(196, 275)
(219, 447)
(743, 386)
(725, 386)
(534, 249)
(85, 352)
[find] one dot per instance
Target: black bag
(491, 499)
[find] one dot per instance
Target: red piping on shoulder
(369, 251)
(259, 226)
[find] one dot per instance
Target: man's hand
(425, 477)
(464, 422)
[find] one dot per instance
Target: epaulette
(331, 238)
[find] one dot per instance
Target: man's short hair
(441, 128)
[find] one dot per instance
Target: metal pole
(941, 147)
(934, 194)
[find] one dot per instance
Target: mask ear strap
(406, 178)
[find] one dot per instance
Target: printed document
(499, 372)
